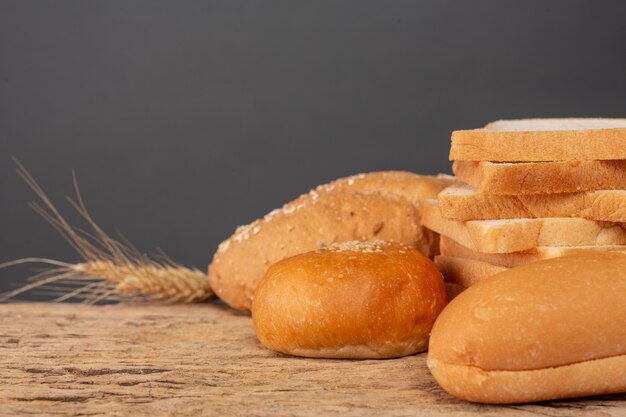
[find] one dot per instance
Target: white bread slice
(463, 202)
(542, 140)
(514, 235)
(451, 248)
(465, 272)
(541, 177)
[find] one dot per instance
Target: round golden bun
(352, 300)
(374, 206)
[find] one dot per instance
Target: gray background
(184, 119)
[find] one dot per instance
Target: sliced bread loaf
(542, 140)
(514, 235)
(463, 202)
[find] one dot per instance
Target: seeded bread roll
(352, 300)
(413, 187)
(547, 330)
(381, 205)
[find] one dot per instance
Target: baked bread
(541, 177)
(450, 248)
(453, 290)
(542, 140)
(351, 300)
(463, 202)
(514, 235)
(465, 272)
(408, 185)
(547, 330)
(382, 205)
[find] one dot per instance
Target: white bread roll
(353, 300)
(547, 330)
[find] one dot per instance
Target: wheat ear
(111, 270)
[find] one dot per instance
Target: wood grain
(79, 360)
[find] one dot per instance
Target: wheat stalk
(112, 270)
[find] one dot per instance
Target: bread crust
(581, 379)
(463, 202)
(542, 140)
(541, 177)
(382, 205)
(412, 187)
(560, 319)
(353, 300)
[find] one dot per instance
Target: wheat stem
(111, 270)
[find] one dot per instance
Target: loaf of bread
(450, 248)
(547, 330)
(465, 272)
(541, 177)
(513, 235)
(542, 140)
(351, 300)
(382, 205)
(463, 202)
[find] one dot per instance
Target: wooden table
(197, 360)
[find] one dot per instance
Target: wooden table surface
(76, 360)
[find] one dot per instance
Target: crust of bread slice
(541, 177)
(450, 248)
(542, 140)
(514, 235)
(465, 272)
(463, 202)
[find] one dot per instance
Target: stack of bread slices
(529, 190)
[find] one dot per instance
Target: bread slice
(465, 272)
(514, 235)
(541, 177)
(542, 140)
(463, 202)
(450, 248)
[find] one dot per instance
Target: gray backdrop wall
(184, 119)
